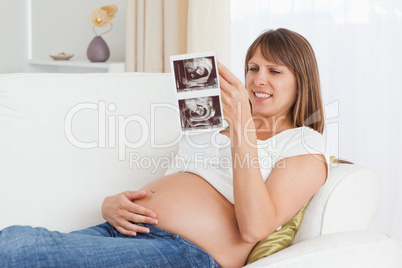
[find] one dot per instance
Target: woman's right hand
(122, 213)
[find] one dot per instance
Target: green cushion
(278, 240)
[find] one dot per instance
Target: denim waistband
(154, 230)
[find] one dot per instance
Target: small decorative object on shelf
(98, 50)
(61, 56)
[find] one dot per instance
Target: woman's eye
(253, 69)
(275, 72)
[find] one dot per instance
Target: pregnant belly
(187, 205)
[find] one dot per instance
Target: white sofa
(69, 140)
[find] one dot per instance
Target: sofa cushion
(346, 250)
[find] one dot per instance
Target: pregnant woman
(225, 190)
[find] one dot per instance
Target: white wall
(62, 26)
(55, 26)
(13, 36)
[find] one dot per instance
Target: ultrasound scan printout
(198, 91)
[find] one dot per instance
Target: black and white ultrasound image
(200, 113)
(195, 74)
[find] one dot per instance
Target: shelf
(74, 66)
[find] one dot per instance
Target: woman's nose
(261, 78)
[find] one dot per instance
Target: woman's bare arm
(262, 207)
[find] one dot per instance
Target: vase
(98, 51)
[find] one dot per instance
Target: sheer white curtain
(358, 44)
(157, 29)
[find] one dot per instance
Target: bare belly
(187, 205)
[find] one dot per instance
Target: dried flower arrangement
(102, 17)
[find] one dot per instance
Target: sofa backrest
(69, 140)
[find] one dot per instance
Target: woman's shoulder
(300, 133)
(299, 141)
(295, 134)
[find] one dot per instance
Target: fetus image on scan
(195, 74)
(200, 113)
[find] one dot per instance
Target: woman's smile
(262, 96)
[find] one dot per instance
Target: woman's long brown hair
(288, 48)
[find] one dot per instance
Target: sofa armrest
(347, 249)
(348, 201)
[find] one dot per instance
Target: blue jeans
(98, 246)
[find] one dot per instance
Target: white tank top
(209, 155)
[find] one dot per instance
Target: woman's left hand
(235, 102)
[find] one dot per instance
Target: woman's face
(272, 88)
